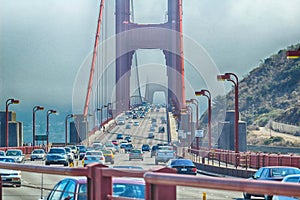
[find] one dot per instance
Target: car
(152, 128)
(128, 126)
(57, 155)
(123, 144)
(271, 173)
(136, 123)
(10, 177)
(146, 147)
(161, 129)
(76, 188)
(109, 156)
(294, 178)
(150, 135)
(16, 154)
(111, 146)
(136, 154)
(128, 147)
(115, 142)
(120, 136)
(128, 138)
(183, 166)
(38, 154)
(98, 146)
(93, 156)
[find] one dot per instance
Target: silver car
(38, 154)
(136, 154)
(93, 156)
(16, 154)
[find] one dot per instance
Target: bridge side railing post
(98, 185)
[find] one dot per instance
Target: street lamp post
(66, 127)
(189, 108)
(208, 95)
(35, 108)
(196, 103)
(235, 81)
(8, 102)
(49, 112)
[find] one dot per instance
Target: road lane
(139, 136)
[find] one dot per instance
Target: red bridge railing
(160, 184)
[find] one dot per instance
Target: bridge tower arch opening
(164, 36)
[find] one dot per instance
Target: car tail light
(85, 158)
(194, 169)
(101, 158)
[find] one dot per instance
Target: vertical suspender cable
(87, 100)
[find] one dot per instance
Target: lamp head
(40, 108)
(199, 93)
(223, 77)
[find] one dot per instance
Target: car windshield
(13, 153)
(182, 163)
(93, 153)
(58, 151)
(135, 151)
(40, 151)
(106, 152)
(279, 172)
(129, 190)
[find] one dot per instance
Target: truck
(164, 154)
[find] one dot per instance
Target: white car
(10, 177)
(16, 154)
(93, 156)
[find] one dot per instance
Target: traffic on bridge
(148, 115)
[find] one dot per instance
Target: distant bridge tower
(166, 36)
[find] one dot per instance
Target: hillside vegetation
(270, 91)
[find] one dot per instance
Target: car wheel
(112, 162)
(247, 196)
(156, 162)
(31, 159)
(66, 164)
(129, 159)
(47, 163)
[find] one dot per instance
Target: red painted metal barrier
(160, 184)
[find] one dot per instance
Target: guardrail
(242, 159)
(160, 184)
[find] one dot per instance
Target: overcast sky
(44, 43)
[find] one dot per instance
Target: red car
(115, 142)
(75, 188)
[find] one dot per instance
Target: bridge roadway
(32, 182)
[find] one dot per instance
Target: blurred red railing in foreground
(160, 184)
